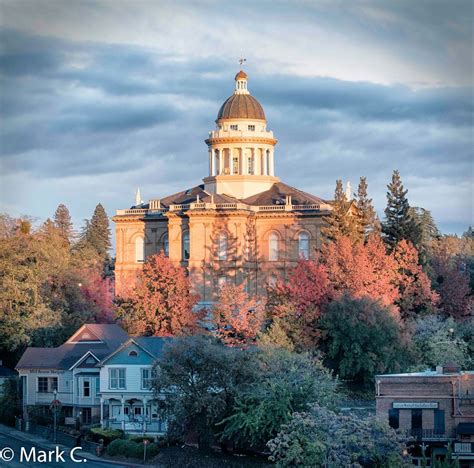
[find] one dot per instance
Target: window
(251, 128)
(86, 388)
(86, 415)
(416, 419)
(97, 386)
(393, 418)
(235, 167)
(234, 127)
(53, 384)
(133, 353)
(439, 425)
(222, 247)
(139, 250)
(90, 360)
(42, 384)
(137, 411)
(273, 247)
(117, 379)
(250, 165)
(166, 245)
(303, 245)
(186, 245)
(146, 379)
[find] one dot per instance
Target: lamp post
(55, 413)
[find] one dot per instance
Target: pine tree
(399, 224)
(368, 221)
(340, 222)
(62, 220)
(97, 232)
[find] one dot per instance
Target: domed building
(241, 225)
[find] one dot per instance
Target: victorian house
(242, 224)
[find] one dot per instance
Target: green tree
(367, 219)
(62, 220)
(96, 233)
(286, 382)
(362, 339)
(399, 224)
(341, 221)
(9, 401)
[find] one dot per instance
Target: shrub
(116, 447)
(108, 435)
(131, 449)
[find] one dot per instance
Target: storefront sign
(415, 405)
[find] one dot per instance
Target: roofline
(69, 340)
(122, 346)
(82, 358)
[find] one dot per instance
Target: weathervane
(242, 61)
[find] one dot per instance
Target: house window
(117, 379)
(303, 245)
(222, 253)
(439, 424)
(251, 128)
(185, 245)
(394, 418)
(139, 250)
(53, 384)
(133, 353)
(166, 245)
(97, 386)
(273, 247)
(86, 388)
(234, 127)
(146, 379)
(416, 419)
(86, 415)
(42, 384)
(137, 411)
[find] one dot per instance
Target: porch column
(102, 412)
(145, 402)
(123, 413)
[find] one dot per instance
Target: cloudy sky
(101, 97)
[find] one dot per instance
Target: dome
(241, 106)
(241, 75)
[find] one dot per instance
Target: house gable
(129, 354)
(84, 335)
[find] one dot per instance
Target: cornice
(217, 141)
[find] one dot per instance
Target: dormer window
(133, 353)
(234, 127)
(251, 128)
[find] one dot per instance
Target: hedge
(130, 449)
(108, 435)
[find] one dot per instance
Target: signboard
(415, 405)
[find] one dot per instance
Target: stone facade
(241, 225)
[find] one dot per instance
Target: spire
(138, 197)
(241, 80)
(348, 191)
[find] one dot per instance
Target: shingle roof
(277, 194)
(153, 344)
(64, 356)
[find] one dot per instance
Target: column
(122, 412)
(211, 163)
(145, 402)
(272, 169)
(231, 161)
(102, 413)
(265, 167)
(221, 162)
(244, 162)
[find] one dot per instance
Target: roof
(241, 75)
(241, 106)
(277, 193)
(426, 373)
(465, 428)
(66, 355)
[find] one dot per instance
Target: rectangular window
(394, 418)
(137, 411)
(417, 419)
(251, 128)
(117, 379)
(97, 386)
(234, 127)
(86, 415)
(53, 384)
(146, 379)
(235, 168)
(86, 388)
(250, 163)
(42, 384)
(439, 425)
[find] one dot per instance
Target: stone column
(221, 162)
(272, 169)
(231, 161)
(244, 162)
(265, 165)
(211, 163)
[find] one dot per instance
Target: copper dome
(241, 75)
(241, 106)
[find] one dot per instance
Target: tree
(398, 224)
(200, 378)
(161, 303)
(367, 219)
(341, 222)
(96, 233)
(362, 338)
(320, 437)
(286, 382)
(62, 220)
(275, 337)
(9, 401)
(237, 318)
(428, 229)
(298, 302)
(361, 270)
(414, 286)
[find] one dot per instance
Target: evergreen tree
(399, 224)
(97, 232)
(340, 222)
(368, 221)
(62, 220)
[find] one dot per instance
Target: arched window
(222, 247)
(303, 245)
(133, 353)
(185, 245)
(273, 247)
(166, 245)
(139, 250)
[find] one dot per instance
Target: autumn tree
(414, 286)
(362, 338)
(398, 224)
(340, 222)
(62, 220)
(361, 270)
(367, 220)
(161, 304)
(237, 318)
(297, 303)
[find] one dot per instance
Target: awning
(87, 374)
(465, 428)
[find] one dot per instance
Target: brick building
(435, 407)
